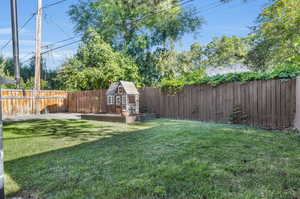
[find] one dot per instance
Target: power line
(237, 5)
(53, 4)
(29, 55)
(51, 44)
(22, 27)
(53, 49)
(50, 50)
(61, 41)
(31, 17)
(48, 18)
(208, 8)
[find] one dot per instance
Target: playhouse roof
(112, 88)
(129, 88)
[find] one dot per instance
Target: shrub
(287, 72)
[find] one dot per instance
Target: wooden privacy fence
(87, 101)
(269, 104)
(30, 102)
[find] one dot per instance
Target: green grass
(74, 159)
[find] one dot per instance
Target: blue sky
(229, 19)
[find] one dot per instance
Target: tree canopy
(276, 38)
(134, 26)
(48, 77)
(96, 64)
(140, 29)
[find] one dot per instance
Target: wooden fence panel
(87, 101)
(268, 104)
(29, 102)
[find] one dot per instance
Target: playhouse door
(118, 104)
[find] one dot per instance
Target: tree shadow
(57, 129)
(172, 155)
(78, 168)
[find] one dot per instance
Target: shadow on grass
(80, 168)
(57, 129)
(166, 159)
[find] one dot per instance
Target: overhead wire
(22, 27)
(208, 8)
(50, 50)
(49, 19)
(30, 18)
(57, 42)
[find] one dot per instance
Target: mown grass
(68, 159)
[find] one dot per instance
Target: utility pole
(15, 39)
(38, 39)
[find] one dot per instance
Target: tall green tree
(95, 65)
(276, 40)
(137, 27)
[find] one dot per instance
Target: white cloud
(5, 31)
(54, 59)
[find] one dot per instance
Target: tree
(169, 63)
(277, 36)
(7, 66)
(27, 73)
(95, 65)
(226, 51)
(4, 73)
(137, 27)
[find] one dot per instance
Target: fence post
(297, 118)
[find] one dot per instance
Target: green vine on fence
(173, 86)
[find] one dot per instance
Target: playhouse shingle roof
(129, 88)
(112, 88)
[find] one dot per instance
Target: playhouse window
(124, 99)
(118, 100)
(131, 99)
(120, 90)
(110, 100)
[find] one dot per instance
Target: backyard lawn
(76, 159)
